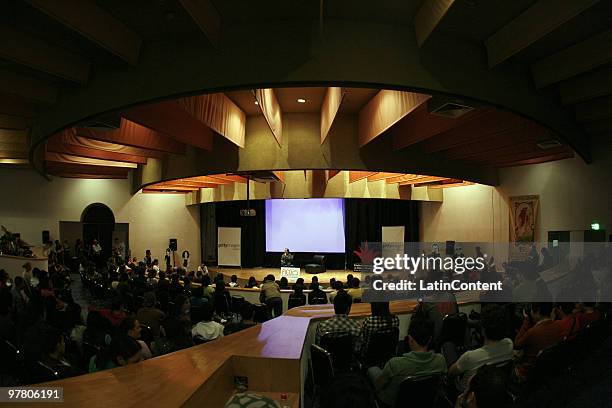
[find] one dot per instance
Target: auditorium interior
(197, 193)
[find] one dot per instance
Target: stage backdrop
(364, 220)
(228, 243)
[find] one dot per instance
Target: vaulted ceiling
(113, 84)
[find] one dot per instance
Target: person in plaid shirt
(381, 319)
(340, 322)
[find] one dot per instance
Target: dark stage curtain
(253, 237)
(365, 217)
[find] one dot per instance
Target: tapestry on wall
(523, 217)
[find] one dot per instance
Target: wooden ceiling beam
(538, 159)
(540, 19)
(53, 145)
(205, 15)
(135, 135)
(173, 188)
(69, 137)
(90, 176)
(27, 50)
(402, 178)
(28, 88)
(422, 179)
(72, 159)
(518, 153)
(577, 59)
(230, 177)
(95, 24)
(65, 168)
(585, 87)
(180, 183)
(381, 176)
(359, 175)
(428, 17)
(171, 119)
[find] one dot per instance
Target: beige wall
(572, 195)
(32, 204)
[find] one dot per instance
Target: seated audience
(496, 348)
(130, 327)
(222, 299)
(418, 362)
(177, 337)
(537, 333)
(207, 329)
(98, 331)
(336, 287)
(252, 283)
(340, 322)
(380, 319)
(355, 291)
(124, 350)
(271, 296)
(316, 295)
(115, 314)
(488, 388)
(283, 283)
(567, 321)
(234, 282)
(197, 297)
(297, 298)
(588, 314)
(208, 289)
(149, 315)
(54, 355)
(299, 282)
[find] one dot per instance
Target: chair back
(318, 259)
(418, 391)
(321, 366)
(453, 329)
(340, 347)
(237, 302)
(381, 346)
(261, 313)
(295, 302)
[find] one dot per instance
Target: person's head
(252, 281)
(130, 326)
(148, 252)
(493, 322)
(487, 388)
(299, 281)
(342, 303)
(149, 299)
(155, 262)
(284, 282)
(355, 283)
(286, 250)
(420, 333)
(380, 309)
(338, 285)
(53, 343)
(564, 309)
(270, 278)
(540, 311)
(19, 282)
(332, 281)
(234, 279)
(349, 278)
(125, 350)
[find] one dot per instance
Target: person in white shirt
(207, 329)
(234, 282)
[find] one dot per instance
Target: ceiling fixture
(301, 100)
(256, 103)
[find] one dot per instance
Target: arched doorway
(99, 223)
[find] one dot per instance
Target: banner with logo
(228, 246)
(523, 218)
(292, 274)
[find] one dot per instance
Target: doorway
(98, 223)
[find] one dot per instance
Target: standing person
(96, 252)
(271, 296)
(147, 258)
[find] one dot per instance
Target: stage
(260, 273)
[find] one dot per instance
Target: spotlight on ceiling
(301, 100)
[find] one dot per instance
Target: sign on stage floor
(292, 274)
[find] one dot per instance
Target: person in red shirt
(567, 321)
(115, 314)
(538, 332)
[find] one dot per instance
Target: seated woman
(283, 283)
(381, 319)
(297, 298)
(234, 282)
(124, 350)
(252, 283)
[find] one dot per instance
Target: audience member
(234, 282)
(340, 322)
(149, 315)
(355, 291)
(207, 329)
(54, 355)
(177, 337)
(487, 389)
(418, 362)
(271, 296)
(316, 295)
(567, 320)
(130, 327)
(337, 287)
(115, 314)
(297, 298)
(380, 319)
(537, 333)
(496, 348)
(197, 297)
(587, 314)
(283, 283)
(252, 283)
(246, 320)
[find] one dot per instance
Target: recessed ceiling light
(301, 100)
(256, 103)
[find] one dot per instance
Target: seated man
(487, 389)
(207, 329)
(149, 315)
(54, 355)
(418, 362)
(340, 322)
(567, 321)
(537, 333)
(286, 258)
(496, 348)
